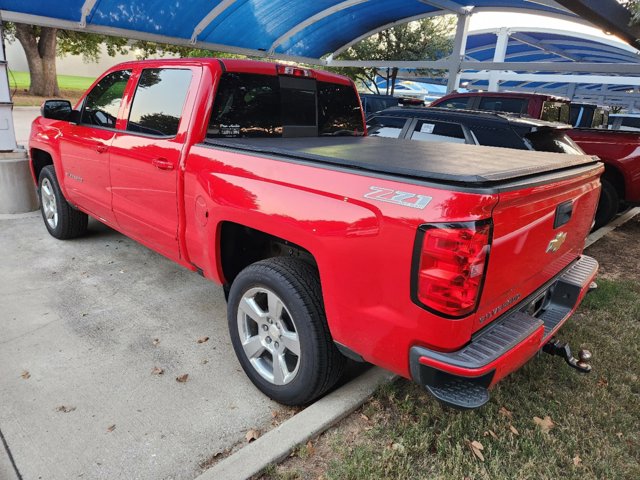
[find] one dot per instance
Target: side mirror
(57, 110)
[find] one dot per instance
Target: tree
(43, 44)
(634, 7)
(427, 39)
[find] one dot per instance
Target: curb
(276, 444)
(621, 220)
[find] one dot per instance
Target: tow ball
(561, 349)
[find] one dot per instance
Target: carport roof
(286, 28)
(530, 44)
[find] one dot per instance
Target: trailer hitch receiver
(561, 349)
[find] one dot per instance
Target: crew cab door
(84, 148)
(145, 158)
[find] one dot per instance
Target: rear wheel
(279, 331)
(60, 218)
(607, 205)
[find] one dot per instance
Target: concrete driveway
(22, 118)
(83, 324)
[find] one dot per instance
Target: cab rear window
(251, 105)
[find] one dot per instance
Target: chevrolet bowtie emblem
(556, 243)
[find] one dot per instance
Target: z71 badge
(398, 197)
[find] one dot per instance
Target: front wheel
(279, 331)
(60, 218)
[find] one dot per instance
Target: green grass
(596, 416)
(20, 80)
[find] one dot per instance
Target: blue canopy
(294, 28)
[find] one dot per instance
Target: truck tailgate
(537, 232)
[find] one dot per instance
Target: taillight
(449, 265)
(295, 71)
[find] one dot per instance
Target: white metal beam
(612, 68)
(446, 5)
(553, 78)
(584, 38)
(532, 42)
(502, 42)
(11, 16)
(87, 6)
(311, 20)
(443, 64)
(550, 4)
(210, 17)
(457, 55)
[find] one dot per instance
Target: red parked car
(448, 264)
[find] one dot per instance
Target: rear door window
(556, 112)
(548, 140)
(510, 105)
(103, 102)
(158, 101)
(388, 127)
(434, 131)
(504, 137)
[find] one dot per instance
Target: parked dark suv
(472, 127)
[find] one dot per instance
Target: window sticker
(230, 130)
(427, 128)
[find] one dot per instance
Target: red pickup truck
(534, 105)
(620, 152)
(448, 264)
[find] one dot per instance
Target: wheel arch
(239, 246)
(39, 159)
(615, 178)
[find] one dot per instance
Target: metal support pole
(604, 89)
(459, 47)
(571, 91)
(17, 192)
(7, 133)
(499, 55)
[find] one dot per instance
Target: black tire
(608, 204)
(295, 283)
(69, 222)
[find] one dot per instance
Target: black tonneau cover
(468, 165)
